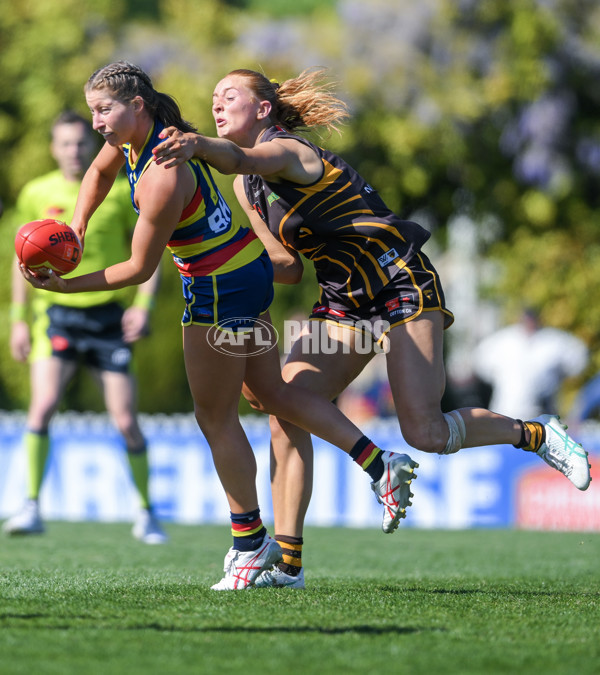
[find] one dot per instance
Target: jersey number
(220, 219)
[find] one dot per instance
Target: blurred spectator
(526, 364)
(587, 402)
(464, 389)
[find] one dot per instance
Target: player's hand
(79, 230)
(176, 149)
(44, 279)
(135, 323)
(20, 341)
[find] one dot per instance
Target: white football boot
(275, 578)
(562, 453)
(393, 488)
(147, 528)
(243, 567)
(27, 521)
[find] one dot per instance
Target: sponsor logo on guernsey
(272, 198)
(404, 304)
(388, 257)
(121, 356)
(53, 211)
(323, 309)
(59, 343)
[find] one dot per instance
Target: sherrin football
(48, 245)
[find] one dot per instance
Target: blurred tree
(482, 108)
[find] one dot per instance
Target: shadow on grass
(154, 626)
(337, 630)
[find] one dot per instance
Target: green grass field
(87, 598)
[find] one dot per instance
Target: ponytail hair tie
(274, 82)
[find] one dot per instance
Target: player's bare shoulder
(304, 166)
(157, 180)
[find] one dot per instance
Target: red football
(48, 244)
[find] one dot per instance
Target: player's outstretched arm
(96, 184)
(288, 159)
(178, 147)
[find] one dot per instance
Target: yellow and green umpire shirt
(107, 240)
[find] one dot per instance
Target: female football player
(227, 279)
(371, 269)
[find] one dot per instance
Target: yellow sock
(37, 447)
(537, 436)
(138, 461)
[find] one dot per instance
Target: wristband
(18, 312)
(143, 301)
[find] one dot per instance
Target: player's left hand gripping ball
(48, 244)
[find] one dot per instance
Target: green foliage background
(479, 107)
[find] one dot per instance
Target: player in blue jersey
(227, 282)
(372, 272)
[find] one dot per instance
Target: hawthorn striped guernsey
(340, 223)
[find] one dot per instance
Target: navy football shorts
(234, 300)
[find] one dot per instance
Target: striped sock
(533, 435)
(248, 530)
(291, 549)
(368, 456)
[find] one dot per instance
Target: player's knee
(129, 428)
(261, 397)
(424, 440)
(277, 428)
(41, 414)
(432, 436)
(202, 415)
(214, 420)
(254, 402)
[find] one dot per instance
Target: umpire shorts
(92, 336)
